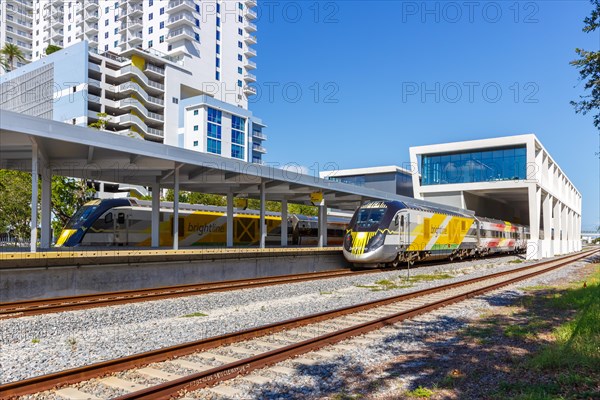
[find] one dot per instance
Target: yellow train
(126, 222)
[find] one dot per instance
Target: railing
(258, 148)
(250, 76)
(156, 100)
(250, 38)
(134, 70)
(154, 68)
(250, 89)
(134, 8)
(176, 3)
(94, 82)
(156, 116)
(156, 132)
(259, 135)
(179, 17)
(251, 13)
(181, 31)
(139, 92)
(251, 25)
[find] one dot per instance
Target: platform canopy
(86, 153)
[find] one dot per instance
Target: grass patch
(527, 331)
(577, 342)
(429, 277)
(383, 284)
(420, 392)
(517, 261)
(346, 396)
(323, 293)
(529, 391)
(481, 334)
(35, 340)
(196, 314)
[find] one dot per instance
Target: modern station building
(139, 62)
(391, 179)
(512, 178)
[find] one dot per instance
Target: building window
(105, 47)
(218, 35)
(240, 58)
(116, 43)
(106, 23)
(218, 49)
(218, 21)
(106, 10)
(162, 10)
(217, 75)
(240, 19)
(237, 152)
(218, 62)
(150, 3)
(195, 128)
(240, 31)
(150, 16)
(150, 43)
(237, 137)
(197, 22)
(239, 70)
(195, 112)
(214, 115)
(218, 8)
(175, 100)
(161, 39)
(240, 6)
(195, 143)
(197, 36)
(116, 31)
(240, 83)
(105, 35)
(162, 25)
(238, 123)
(499, 164)
(213, 146)
(150, 30)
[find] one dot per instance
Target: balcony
(258, 148)
(259, 135)
(93, 40)
(135, 10)
(250, 14)
(94, 83)
(250, 78)
(56, 34)
(154, 70)
(250, 3)
(157, 133)
(180, 5)
(250, 52)
(25, 3)
(249, 65)
(250, 27)
(181, 33)
(16, 21)
(91, 28)
(250, 39)
(18, 11)
(249, 90)
(92, 16)
(134, 39)
(91, 4)
(19, 33)
(181, 20)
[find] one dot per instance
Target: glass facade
(237, 151)
(213, 146)
(499, 164)
(214, 115)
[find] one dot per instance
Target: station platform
(25, 275)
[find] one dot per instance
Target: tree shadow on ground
(489, 359)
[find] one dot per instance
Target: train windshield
(80, 216)
(369, 218)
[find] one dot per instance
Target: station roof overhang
(86, 153)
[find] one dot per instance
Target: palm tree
(3, 63)
(12, 53)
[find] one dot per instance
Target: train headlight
(376, 242)
(348, 241)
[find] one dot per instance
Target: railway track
(79, 302)
(227, 356)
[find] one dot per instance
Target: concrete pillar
(284, 223)
(176, 210)
(155, 216)
(570, 225)
(34, 197)
(563, 227)
(547, 208)
(533, 244)
(322, 225)
(229, 219)
(46, 234)
(557, 226)
(263, 226)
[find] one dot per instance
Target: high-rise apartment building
(140, 62)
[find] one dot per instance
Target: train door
(404, 229)
(121, 228)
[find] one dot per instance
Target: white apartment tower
(144, 63)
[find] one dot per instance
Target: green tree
(12, 53)
(3, 63)
(68, 195)
(52, 49)
(103, 120)
(588, 65)
(15, 203)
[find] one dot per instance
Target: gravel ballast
(33, 346)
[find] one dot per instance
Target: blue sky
(356, 83)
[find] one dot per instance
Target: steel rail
(68, 303)
(75, 375)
